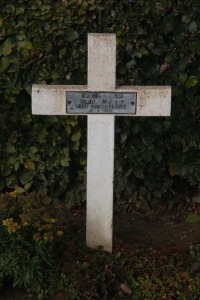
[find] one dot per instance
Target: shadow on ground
(161, 229)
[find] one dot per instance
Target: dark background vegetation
(45, 41)
(42, 248)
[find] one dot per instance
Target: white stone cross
(101, 101)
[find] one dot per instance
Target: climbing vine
(45, 41)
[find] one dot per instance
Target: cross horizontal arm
(52, 99)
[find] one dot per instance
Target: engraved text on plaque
(101, 103)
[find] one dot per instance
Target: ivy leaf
(121, 69)
(191, 82)
(26, 177)
(10, 149)
(130, 64)
(29, 165)
(70, 2)
(35, 156)
(173, 169)
(123, 136)
(19, 190)
(72, 120)
(65, 157)
(68, 130)
(139, 174)
(72, 35)
(42, 136)
(27, 186)
(33, 149)
(80, 20)
(192, 26)
(6, 49)
(10, 179)
(185, 19)
(76, 136)
(158, 156)
(27, 45)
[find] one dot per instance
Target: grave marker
(101, 101)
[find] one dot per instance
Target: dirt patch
(140, 231)
(160, 229)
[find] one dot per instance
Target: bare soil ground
(159, 228)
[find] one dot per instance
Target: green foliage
(126, 274)
(28, 234)
(45, 42)
(193, 218)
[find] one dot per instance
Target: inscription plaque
(101, 103)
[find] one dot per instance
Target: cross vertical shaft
(100, 153)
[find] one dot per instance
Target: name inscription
(101, 103)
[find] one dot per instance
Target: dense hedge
(45, 41)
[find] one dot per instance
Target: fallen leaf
(163, 67)
(185, 275)
(125, 289)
